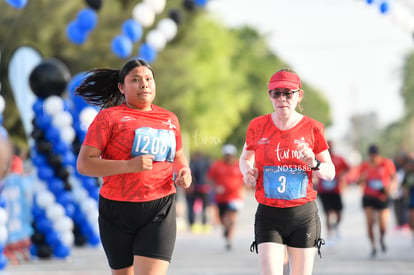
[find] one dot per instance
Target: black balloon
(94, 4)
(44, 251)
(176, 16)
(55, 161)
(48, 78)
(189, 5)
(44, 147)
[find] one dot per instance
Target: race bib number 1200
(157, 142)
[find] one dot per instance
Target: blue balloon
(75, 34)
(3, 261)
(56, 186)
(87, 19)
(52, 134)
(147, 52)
(52, 238)
(369, 2)
(45, 173)
(122, 46)
(44, 226)
(18, 4)
(38, 106)
(200, 3)
(3, 201)
(43, 121)
(61, 251)
(132, 29)
(384, 7)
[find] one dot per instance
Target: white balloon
(89, 205)
(86, 116)
(45, 199)
(143, 14)
(3, 234)
(53, 105)
(67, 238)
(62, 119)
(62, 224)
(3, 216)
(168, 27)
(79, 194)
(92, 216)
(156, 5)
(55, 212)
(2, 104)
(68, 134)
(156, 39)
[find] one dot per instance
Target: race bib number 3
(376, 184)
(286, 184)
(157, 142)
(328, 184)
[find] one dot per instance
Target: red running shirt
(122, 133)
(228, 181)
(284, 180)
(333, 186)
(377, 177)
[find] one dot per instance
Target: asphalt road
(205, 253)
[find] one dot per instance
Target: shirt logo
(263, 141)
(127, 118)
(169, 123)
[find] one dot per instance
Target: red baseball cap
(284, 79)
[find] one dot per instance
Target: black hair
(100, 86)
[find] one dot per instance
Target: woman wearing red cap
(281, 153)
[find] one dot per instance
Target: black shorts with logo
(137, 228)
(298, 226)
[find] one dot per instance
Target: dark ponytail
(100, 87)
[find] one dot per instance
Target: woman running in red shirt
(377, 178)
(136, 147)
(282, 151)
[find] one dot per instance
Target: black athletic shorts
(298, 226)
(331, 201)
(375, 203)
(137, 228)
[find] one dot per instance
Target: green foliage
(214, 78)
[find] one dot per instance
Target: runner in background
(198, 195)
(330, 194)
(377, 179)
(228, 189)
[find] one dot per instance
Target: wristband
(318, 163)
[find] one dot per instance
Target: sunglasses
(288, 95)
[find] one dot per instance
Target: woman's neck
(286, 122)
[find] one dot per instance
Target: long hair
(100, 86)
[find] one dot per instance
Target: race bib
(376, 184)
(157, 142)
(328, 184)
(285, 184)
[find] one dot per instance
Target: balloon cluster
(55, 162)
(143, 16)
(397, 12)
(78, 29)
(383, 5)
(53, 228)
(3, 232)
(17, 4)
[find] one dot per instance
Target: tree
(213, 77)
